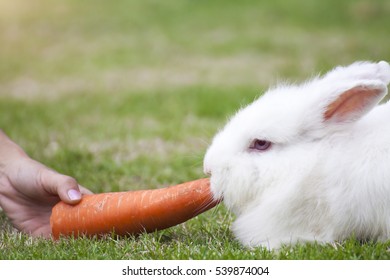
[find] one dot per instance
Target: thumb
(64, 186)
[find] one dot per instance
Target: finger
(84, 190)
(64, 186)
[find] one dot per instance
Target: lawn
(127, 95)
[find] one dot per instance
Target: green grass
(128, 94)
(206, 237)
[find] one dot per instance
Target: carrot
(132, 212)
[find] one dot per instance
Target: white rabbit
(308, 162)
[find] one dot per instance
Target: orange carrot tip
(132, 212)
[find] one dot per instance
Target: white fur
(322, 180)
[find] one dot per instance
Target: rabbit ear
(355, 102)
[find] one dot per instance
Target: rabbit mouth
(222, 188)
(235, 188)
(216, 186)
(216, 189)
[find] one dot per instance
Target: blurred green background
(59, 47)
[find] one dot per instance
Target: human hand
(29, 189)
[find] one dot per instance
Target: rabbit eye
(260, 145)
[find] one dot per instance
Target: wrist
(9, 150)
(10, 154)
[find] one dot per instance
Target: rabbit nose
(207, 171)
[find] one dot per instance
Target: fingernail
(74, 195)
